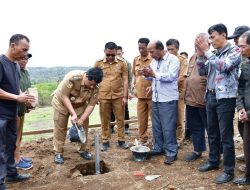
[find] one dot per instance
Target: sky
(74, 32)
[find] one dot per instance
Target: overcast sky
(74, 32)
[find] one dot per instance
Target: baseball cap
(238, 31)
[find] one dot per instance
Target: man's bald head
(156, 49)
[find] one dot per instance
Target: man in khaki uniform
(76, 96)
(144, 102)
(113, 94)
(173, 47)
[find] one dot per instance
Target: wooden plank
(43, 131)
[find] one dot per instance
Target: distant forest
(50, 74)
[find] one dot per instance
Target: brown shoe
(242, 168)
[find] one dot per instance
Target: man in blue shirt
(9, 97)
(163, 71)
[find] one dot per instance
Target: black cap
(238, 31)
(29, 55)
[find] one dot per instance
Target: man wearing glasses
(113, 94)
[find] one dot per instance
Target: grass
(42, 118)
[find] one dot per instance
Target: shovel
(81, 133)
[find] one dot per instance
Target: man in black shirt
(10, 95)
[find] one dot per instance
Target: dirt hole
(89, 168)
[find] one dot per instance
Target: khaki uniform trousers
(19, 131)
(106, 106)
(144, 111)
(180, 131)
(60, 131)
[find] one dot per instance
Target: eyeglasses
(110, 55)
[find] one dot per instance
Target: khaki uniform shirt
(140, 83)
(182, 75)
(111, 86)
(80, 96)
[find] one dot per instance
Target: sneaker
(27, 160)
(192, 156)
(170, 160)
(86, 155)
(17, 178)
(123, 145)
(105, 146)
(59, 159)
(23, 165)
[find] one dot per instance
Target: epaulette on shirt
(121, 59)
(76, 78)
(100, 60)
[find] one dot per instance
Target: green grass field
(42, 118)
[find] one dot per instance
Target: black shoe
(105, 146)
(207, 167)
(126, 131)
(154, 153)
(224, 178)
(59, 159)
(170, 160)
(242, 181)
(17, 178)
(192, 156)
(123, 145)
(86, 155)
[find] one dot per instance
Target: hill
(50, 74)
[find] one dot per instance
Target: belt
(211, 91)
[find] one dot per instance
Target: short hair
(17, 37)
(159, 45)
(184, 53)
(247, 36)
(220, 28)
(95, 74)
(144, 41)
(119, 48)
(110, 45)
(174, 42)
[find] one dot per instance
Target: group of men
(163, 82)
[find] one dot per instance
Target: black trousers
(7, 149)
(246, 144)
(126, 116)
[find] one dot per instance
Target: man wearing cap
(10, 96)
(22, 162)
(113, 94)
(76, 96)
(237, 33)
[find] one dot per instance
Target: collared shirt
(79, 95)
(111, 86)
(165, 83)
(140, 83)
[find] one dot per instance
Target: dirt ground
(180, 175)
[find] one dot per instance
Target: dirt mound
(121, 167)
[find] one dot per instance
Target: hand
(130, 96)
(243, 115)
(148, 90)
(199, 52)
(24, 97)
(124, 101)
(80, 122)
(74, 118)
(148, 72)
(201, 44)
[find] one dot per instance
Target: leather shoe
(17, 178)
(105, 146)
(242, 181)
(207, 167)
(224, 178)
(123, 145)
(170, 160)
(59, 159)
(86, 155)
(154, 153)
(192, 156)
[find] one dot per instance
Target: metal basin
(139, 153)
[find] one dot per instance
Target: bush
(44, 92)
